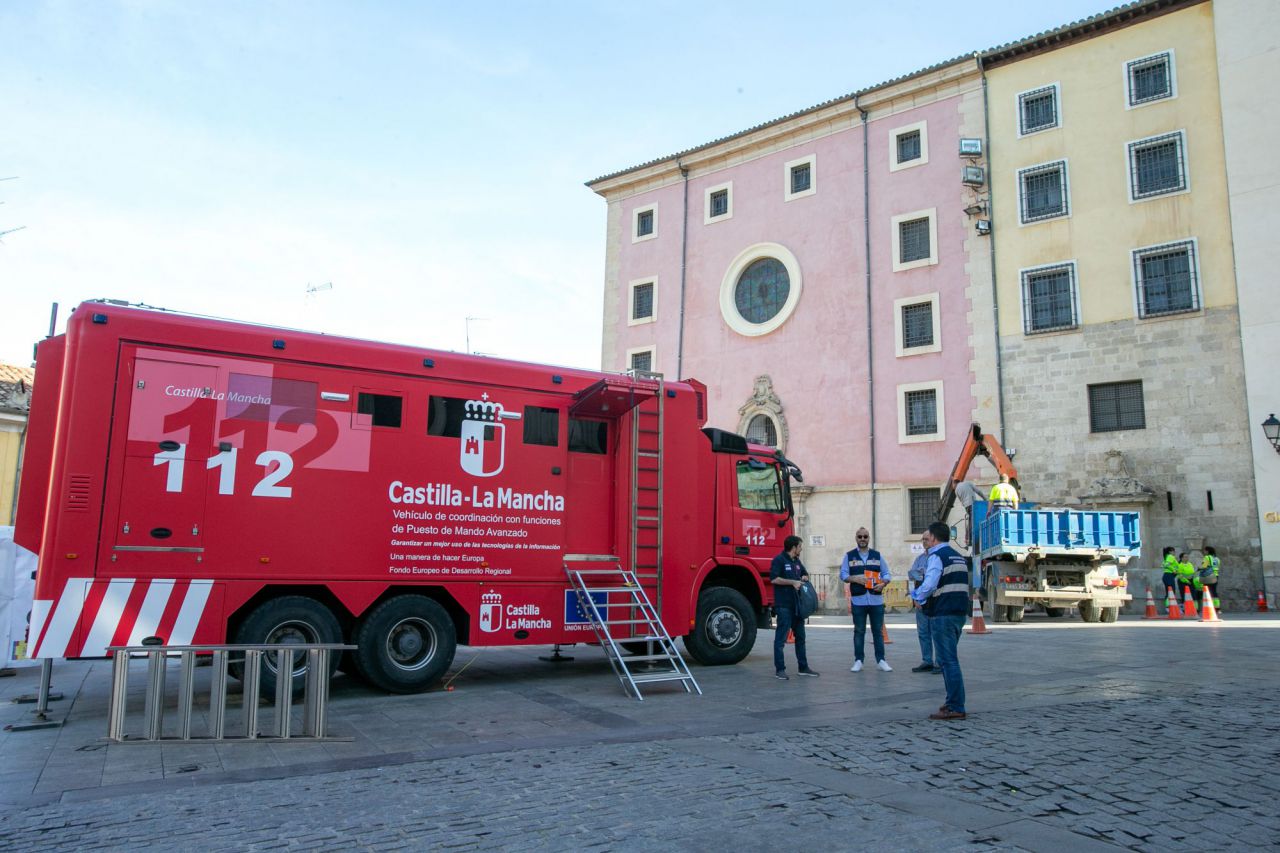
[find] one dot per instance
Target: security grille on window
(913, 240)
(1044, 191)
(1157, 166)
(1116, 406)
(762, 430)
(1150, 79)
(922, 412)
(1166, 277)
(642, 360)
(642, 301)
(719, 203)
(909, 146)
(925, 504)
(800, 178)
(644, 223)
(1048, 297)
(917, 325)
(1038, 110)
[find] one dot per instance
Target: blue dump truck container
(1060, 531)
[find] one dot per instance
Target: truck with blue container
(1054, 557)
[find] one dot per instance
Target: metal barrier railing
(315, 693)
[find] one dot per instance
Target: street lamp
(1271, 429)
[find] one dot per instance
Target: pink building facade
(824, 276)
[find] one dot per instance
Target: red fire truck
(207, 482)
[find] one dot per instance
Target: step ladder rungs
(653, 677)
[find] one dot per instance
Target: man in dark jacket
(944, 595)
(788, 574)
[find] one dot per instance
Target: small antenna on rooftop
(313, 289)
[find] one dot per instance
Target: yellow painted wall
(9, 444)
(1094, 132)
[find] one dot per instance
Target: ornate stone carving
(763, 401)
(1117, 485)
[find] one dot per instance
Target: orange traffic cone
(1188, 604)
(1262, 602)
(1151, 607)
(1172, 602)
(884, 633)
(1207, 612)
(791, 636)
(978, 624)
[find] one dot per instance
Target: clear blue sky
(428, 159)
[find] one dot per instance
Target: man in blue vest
(866, 573)
(944, 595)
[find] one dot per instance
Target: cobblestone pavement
(1140, 735)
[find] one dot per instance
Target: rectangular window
(1043, 191)
(922, 412)
(917, 325)
(381, 410)
(925, 504)
(642, 301)
(642, 360)
(1115, 406)
(800, 178)
(1150, 78)
(1049, 298)
(445, 416)
(759, 487)
(1037, 110)
(588, 436)
(1166, 279)
(541, 426)
(909, 146)
(913, 240)
(644, 223)
(1157, 166)
(719, 203)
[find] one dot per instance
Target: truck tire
(724, 630)
(288, 619)
(1108, 614)
(1089, 611)
(1055, 612)
(1014, 612)
(998, 611)
(405, 644)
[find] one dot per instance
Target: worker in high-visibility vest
(1003, 495)
(1186, 576)
(1170, 576)
(1207, 576)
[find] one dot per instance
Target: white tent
(17, 587)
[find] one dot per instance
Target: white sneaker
(883, 666)
(857, 666)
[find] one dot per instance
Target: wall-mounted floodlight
(970, 147)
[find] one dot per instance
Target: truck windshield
(759, 487)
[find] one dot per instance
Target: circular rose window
(760, 289)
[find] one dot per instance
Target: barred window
(917, 325)
(1043, 191)
(909, 146)
(800, 178)
(642, 301)
(1157, 166)
(762, 430)
(644, 223)
(642, 360)
(1166, 279)
(1150, 79)
(925, 504)
(1049, 299)
(719, 203)
(922, 412)
(1038, 110)
(913, 240)
(1115, 406)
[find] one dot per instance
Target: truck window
(382, 409)
(541, 426)
(588, 436)
(445, 416)
(759, 488)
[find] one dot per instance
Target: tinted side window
(384, 409)
(541, 425)
(445, 415)
(588, 436)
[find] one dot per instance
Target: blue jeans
(946, 634)
(925, 636)
(860, 613)
(787, 621)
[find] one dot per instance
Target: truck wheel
(1089, 611)
(1108, 614)
(1055, 612)
(289, 619)
(1014, 612)
(725, 628)
(405, 644)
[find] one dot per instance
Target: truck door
(172, 407)
(758, 501)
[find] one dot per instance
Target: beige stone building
(15, 403)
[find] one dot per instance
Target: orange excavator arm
(975, 444)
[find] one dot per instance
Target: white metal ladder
(600, 585)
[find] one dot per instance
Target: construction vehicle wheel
(405, 644)
(1089, 611)
(1108, 614)
(1055, 612)
(725, 628)
(1014, 613)
(289, 619)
